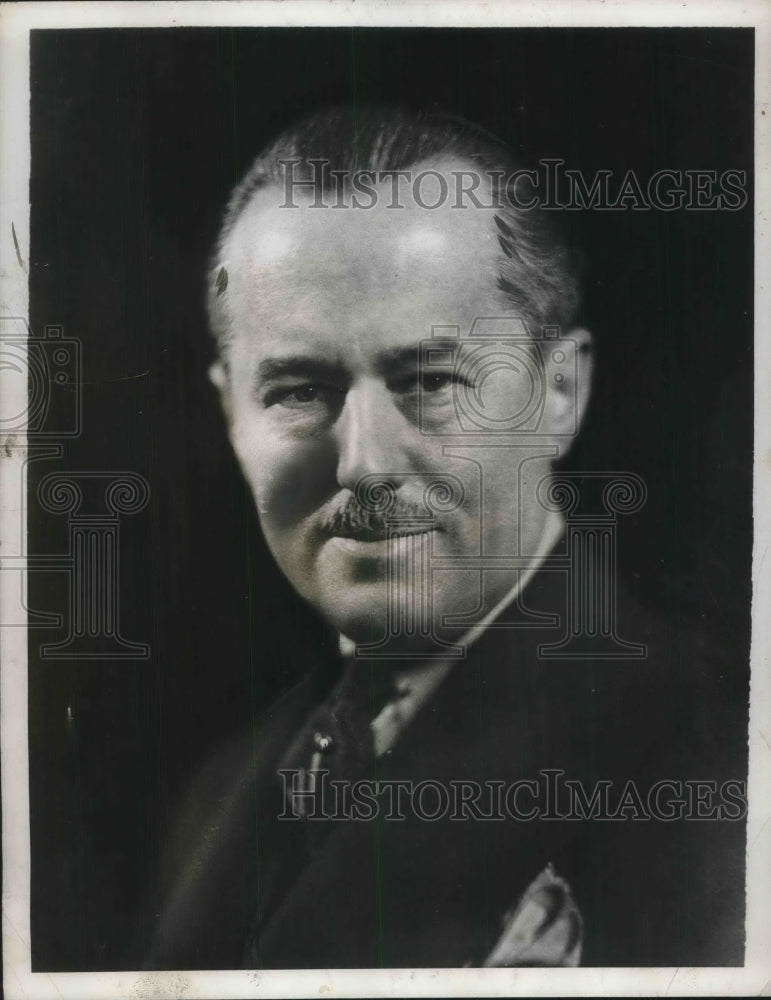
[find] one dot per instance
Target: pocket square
(544, 929)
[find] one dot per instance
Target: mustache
(351, 520)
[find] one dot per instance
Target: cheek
(289, 479)
(512, 397)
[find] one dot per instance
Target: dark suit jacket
(417, 893)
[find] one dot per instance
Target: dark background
(137, 138)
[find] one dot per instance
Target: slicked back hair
(537, 270)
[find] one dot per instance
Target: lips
(361, 534)
(374, 546)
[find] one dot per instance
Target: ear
(218, 376)
(569, 365)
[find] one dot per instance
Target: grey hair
(537, 270)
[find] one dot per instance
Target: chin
(363, 620)
(357, 611)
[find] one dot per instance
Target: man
(400, 366)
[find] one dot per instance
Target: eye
(424, 382)
(435, 381)
(306, 395)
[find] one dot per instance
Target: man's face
(323, 387)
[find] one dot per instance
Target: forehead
(287, 259)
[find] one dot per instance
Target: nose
(371, 436)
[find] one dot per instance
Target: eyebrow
(400, 357)
(297, 365)
(307, 366)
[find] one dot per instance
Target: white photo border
(16, 22)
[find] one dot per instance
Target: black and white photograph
(384, 422)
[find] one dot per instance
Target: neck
(464, 627)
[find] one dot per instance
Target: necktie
(335, 745)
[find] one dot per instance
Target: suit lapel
(414, 892)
